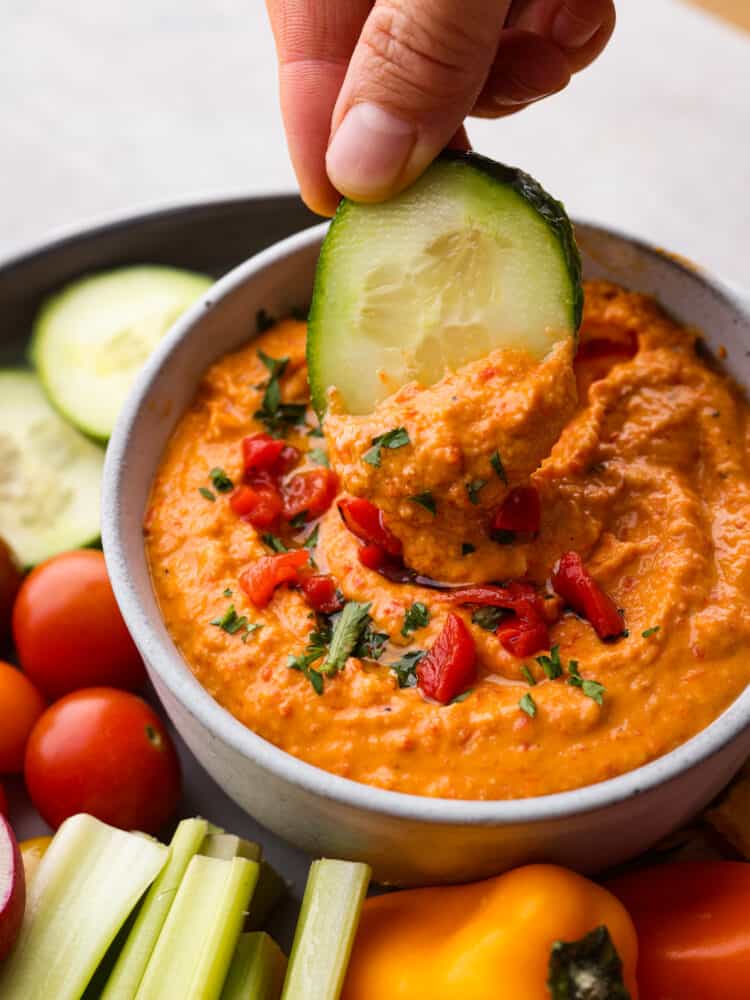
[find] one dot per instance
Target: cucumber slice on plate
(472, 257)
(50, 474)
(91, 338)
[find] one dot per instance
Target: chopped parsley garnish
(275, 366)
(299, 520)
(274, 542)
(474, 488)
(263, 321)
(502, 536)
(221, 481)
(528, 705)
(252, 627)
(396, 438)
(312, 539)
(551, 664)
(228, 592)
(315, 432)
(425, 500)
(489, 618)
(592, 689)
(650, 631)
(461, 697)
(278, 417)
(318, 456)
(527, 675)
(348, 630)
(415, 617)
(371, 644)
(204, 492)
(232, 623)
(467, 548)
(497, 464)
(405, 668)
(317, 643)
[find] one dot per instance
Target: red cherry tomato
(263, 576)
(312, 492)
(68, 630)
(107, 753)
(449, 668)
(20, 707)
(10, 583)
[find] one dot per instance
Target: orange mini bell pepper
(496, 940)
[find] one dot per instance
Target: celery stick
(326, 929)
(195, 947)
(128, 971)
(257, 969)
(227, 846)
(85, 887)
(270, 890)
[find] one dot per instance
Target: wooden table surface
(736, 11)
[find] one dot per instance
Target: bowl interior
(277, 280)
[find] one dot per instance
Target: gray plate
(211, 237)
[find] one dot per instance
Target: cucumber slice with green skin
(50, 474)
(473, 257)
(91, 339)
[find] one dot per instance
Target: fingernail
(572, 32)
(369, 150)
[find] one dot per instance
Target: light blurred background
(109, 107)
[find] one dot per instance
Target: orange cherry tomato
(107, 753)
(68, 630)
(20, 707)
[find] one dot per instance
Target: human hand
(371, 92)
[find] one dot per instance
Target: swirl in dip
(617, 484)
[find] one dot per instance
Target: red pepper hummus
(527, 578)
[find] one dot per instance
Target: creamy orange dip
(648, 480)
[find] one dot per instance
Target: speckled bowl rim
(122, 552)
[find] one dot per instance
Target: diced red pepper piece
(261, 578)
(450, 667)
(312, 492)
(526, 632)
(523, 638)
(261, 453)
(259, 504)
(520, 511)
(366, 521)
(372, 556)
(580, 591)
(321, 593)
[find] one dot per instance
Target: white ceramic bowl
(407, 839)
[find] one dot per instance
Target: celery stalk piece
(86, 885)
(228, 846)
(326, 929)
(131, 963)
(195, 947)
(270, 890)
(257, 969)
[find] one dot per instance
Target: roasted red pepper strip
(523, 637)
(520, 511)
(526, 632)
(259, 504)
(321, 593)
(489, 595)
(372, 556)
(261, 579)
(449, 668)
(312, 492)
(580, 591)
(366, 521)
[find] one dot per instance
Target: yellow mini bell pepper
(32, 852)
(493, 940)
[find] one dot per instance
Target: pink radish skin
(12, 889)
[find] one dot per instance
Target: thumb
(417, 69)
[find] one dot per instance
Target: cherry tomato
(310, 492)
(3, 802)
(107, 753)
(20, 706)
(10, 582)
(69, 631)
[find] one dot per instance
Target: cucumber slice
(473, 257)
(50, 474)
(91, 338)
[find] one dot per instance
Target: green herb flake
(497, 464)
(299, 520)
(315, 432)
(263, 322)
(425, 500)
(230, 621)
(528, 705)
(650, 631)
(318, 457)
(489, 618)
(405, 668)
(347, 632)
(228, 592)
(274, 542)
(312, 539)
(204, 492)
(396, 438)
(594, 690)
(474, 488)
(415, 617)
(278, 417)
(461, 697)
(527, 675)
(221, 481)
(250, 628)
(276, 366)
(371, 644)
(551, 664)
(467, 548)
(587, 968)
(316, 679)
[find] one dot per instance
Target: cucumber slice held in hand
(50, 474)
(91, 338)
(473, 257)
